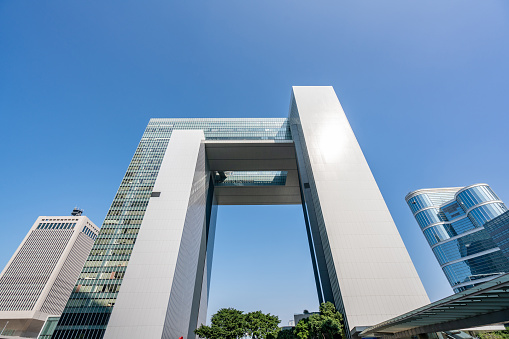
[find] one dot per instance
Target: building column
(362, 262)
(161, 294)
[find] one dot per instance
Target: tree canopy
(229, 323)
(328, 324)
(286, 334)
(494, 335)
(260, 325)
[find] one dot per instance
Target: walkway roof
(484, 304)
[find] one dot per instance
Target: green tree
(286, 334)
(227, 323)
(302, 329)
(321, 326)
(333, 326)
(206, 332)
(494, 335)
(326, 325)
(262, 326)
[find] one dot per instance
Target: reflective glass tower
(498, 228)
(453, 221)
(148, 273)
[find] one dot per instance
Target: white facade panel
(376, 279)
(142, 301)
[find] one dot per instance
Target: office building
(498, 228)
(40, 276)
(148, 273)
(454, 221)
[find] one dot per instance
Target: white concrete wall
(376, 279)
(142, 302)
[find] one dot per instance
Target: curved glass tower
(452, 220)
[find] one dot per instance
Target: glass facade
(452, 210)
(419, 202)
(55, 226)
(48, 328)
(498, 228)
(475, 196)
(250, 178)
(429, 217)
(480, 215)
(486, 266)
(223, 129)
(463, 246)
(455, 224)
(87, 312)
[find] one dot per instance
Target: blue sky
(424, 85)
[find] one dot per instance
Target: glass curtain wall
(452, 221)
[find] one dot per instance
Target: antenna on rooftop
(77, 212)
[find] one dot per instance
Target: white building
(41, 274)
(162, 221)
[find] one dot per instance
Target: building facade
(498, 228)
(148, 273)
(42, 273)
(454, 221)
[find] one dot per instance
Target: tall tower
(153, 256)
(41, 274)
(453, 221)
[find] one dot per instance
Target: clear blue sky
(424, 84)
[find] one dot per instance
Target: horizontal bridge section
(250, 178)
(254, 172)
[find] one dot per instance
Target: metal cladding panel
(40, 276)
(66, 278)
(26, 276)
(186, 289)
(142, 301)
(370, 271)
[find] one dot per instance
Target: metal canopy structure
(485, 304)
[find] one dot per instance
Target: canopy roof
(484, 304)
